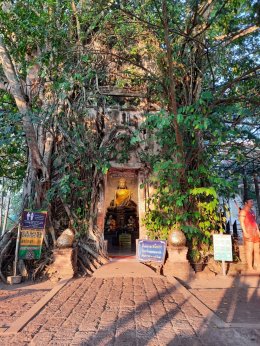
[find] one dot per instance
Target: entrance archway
(121, 224)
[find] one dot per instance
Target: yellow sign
(31, 237)
(32, 228)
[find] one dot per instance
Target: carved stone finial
(176, 238)
(66, 239)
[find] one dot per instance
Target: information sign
(30, 244)
(32, 228)
(33, 220)
(222, 247)
(151, 250)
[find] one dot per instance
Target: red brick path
(17, 299)
(122, 311)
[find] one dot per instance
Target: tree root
(85, 269)
(3, 252)
(99, 257)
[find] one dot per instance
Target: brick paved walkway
(235, 299)
(17, 299)
(122, 311)
(235, 305)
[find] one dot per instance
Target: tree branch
(244, 76)
(227, 39)
(241, 98)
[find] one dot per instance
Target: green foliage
(195, 256)
(124, 44)
(13, 155)
(193, 202)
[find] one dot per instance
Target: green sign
(32, 228)
(30, 253)
(222, 247)
(30, 244)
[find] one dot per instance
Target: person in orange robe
(251, 235)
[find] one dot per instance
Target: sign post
(32, 227)
(222, 245)
(29, 240)
(151, 250)
(16, 249)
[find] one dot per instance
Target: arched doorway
(121, 224)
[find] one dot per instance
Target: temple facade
(122, 203)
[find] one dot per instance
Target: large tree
(47, 69)
(194, 61)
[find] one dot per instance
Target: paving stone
(42, 337)
(121, 311)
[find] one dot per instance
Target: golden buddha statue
(122, 195)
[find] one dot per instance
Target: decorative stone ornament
(66, 239)
(177, 264)
(176, 237)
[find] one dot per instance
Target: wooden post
(6, 212)
(16, 249)
(223, 268)
(1, 205)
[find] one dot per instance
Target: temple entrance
(121, 226)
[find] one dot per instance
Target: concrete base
(177, 254)
(177, 264)
(65, 263)
(14, 279)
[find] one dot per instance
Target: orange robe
(251, 227)
(123, 196)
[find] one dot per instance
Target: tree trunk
(6, 211)
(171, 84)
(1, 205)
(37, 179)
(18, 94)
(42, 141)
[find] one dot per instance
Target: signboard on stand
(151, 250)
(32, 228)
(222, 247)
(30, 244)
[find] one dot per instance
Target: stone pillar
(177, 264)
(64, 264)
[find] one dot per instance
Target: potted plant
(196, 260)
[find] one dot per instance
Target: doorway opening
(121, 219)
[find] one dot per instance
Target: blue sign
(151, 250)
(33, 220)
(222, 245)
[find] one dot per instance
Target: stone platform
(64, 264)
(177, 264)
